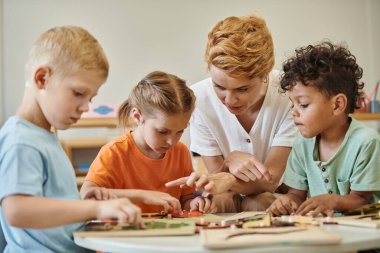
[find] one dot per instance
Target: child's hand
(99, 193)
(325, 204)
(282, 205)
(168, 202)
(122, 209)
(203, 204)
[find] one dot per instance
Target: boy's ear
(40, 76)
(340, 103)
(136, 115)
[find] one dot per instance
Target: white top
(216, 131)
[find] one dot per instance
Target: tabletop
(353, 240)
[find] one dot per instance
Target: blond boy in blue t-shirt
(40, 206)
(337, 161)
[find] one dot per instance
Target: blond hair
(241, 46)
(66, 50)
(158, 91)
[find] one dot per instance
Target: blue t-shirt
(32, 162)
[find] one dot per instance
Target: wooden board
(244, 215)
(153, 227)
(359, 221)
(241, 238)
(260, 219)
(361, 210)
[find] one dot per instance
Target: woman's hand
(209, 183)
(246, 167)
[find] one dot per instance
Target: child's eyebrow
(302, 96)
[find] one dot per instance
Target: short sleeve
(202, 140)
(295, 175)
(21, 165)
(103, 170)
(366, 174)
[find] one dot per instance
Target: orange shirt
(121, 165)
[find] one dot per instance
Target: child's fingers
(105, 193)
(132, 214)
(207, 204)
(201, 203)
(122, 217)
(305, 207)
(285, 204)
(276, 208)
(165, 205)
(316, 211)
(282, 210)
(174, 203)
(294, 206)
(98, 194)
(194, 205)
(272, 210)
(177, 182)
(328, 212)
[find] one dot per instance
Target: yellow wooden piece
(260, 223)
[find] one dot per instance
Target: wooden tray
(241, 238)
(153, 227)
(358, 221)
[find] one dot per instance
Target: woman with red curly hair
(241, 123)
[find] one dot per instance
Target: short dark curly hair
(332, 69)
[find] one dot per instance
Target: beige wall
(140, 36)
(1, 64)
(374, 24)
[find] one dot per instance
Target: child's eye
(162, 132)
(78, 94)
(304, 105)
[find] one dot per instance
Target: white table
(353, 239)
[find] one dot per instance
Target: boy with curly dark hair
(337, 159)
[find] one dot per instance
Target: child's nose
(293, 112)
(84, 107)
(171, 141)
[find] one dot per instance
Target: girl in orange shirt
(139, 163)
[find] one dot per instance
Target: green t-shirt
(355, 166)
